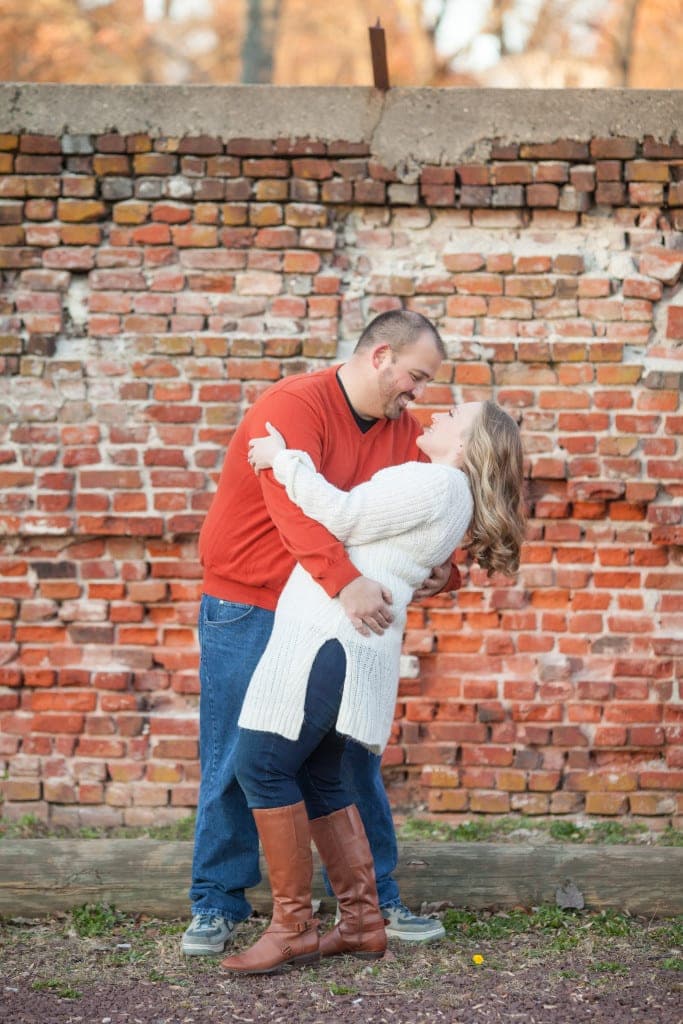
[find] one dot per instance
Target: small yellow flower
(477, 959)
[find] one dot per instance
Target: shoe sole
(406, 936)
(204, 950)
(356, 954)
(309, 959)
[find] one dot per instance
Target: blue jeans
(276, 772)
(232, 638)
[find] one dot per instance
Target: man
(352, 421)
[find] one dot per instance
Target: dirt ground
(532, 966)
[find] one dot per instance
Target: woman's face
(446, 439)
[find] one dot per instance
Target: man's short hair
(399, 328)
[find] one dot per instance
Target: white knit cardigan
(396, 527)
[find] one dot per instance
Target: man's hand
(435, 583)
(366, 603)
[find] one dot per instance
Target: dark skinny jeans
(275, 772)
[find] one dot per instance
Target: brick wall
(154, 286)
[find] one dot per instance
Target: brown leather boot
(291, 938)
(345, 852)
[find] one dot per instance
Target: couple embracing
(333, 511)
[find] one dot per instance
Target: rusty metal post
(378, 50)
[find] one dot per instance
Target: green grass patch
(169, 927)
(671, 837)
(60, 988)
(673, 963)
(510, 827)
(94, 919)
(670, 933)
(484, 828)
(123, 957)
(478, 927)
(612, 832)
(341, 990)
(563, 928)
(155, 975)
(567, 831)
(610, 923)
(476, 831)
(608, 967)
(176, 832)
(31, 827)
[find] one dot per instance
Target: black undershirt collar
(363, 424)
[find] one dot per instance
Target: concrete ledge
(41, 876)
(427, 125)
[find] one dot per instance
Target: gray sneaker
(207, 935)
(402, 924)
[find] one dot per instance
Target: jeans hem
(230, 915)
(391, 904)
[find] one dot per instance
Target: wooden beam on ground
(42, 876)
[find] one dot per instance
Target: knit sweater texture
(396, 527)
(253, 534)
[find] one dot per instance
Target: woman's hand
(262, 450)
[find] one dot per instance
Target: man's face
(402, 378)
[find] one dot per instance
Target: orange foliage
(325, 42)
(657, 58)
(58, 41)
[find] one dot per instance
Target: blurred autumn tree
(326, 42)
(64, 41)
(112, 42)
(559, 43)
(519, 43)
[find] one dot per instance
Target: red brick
(58, 723)
(674, 324)
(647, 170)
(431, 175)
(369, 191)
(479, 284)
(613, 148)
(439, 800)
(21, 789)
(195, 236)
(649, 804)
(183, 749)
(610, 193)
(508, 308)
(59, 791)
(60, 701)
(542, 195)
(661, 780)
(483, 802)
(646, 193)
(606, 803)
(173, 726)
(311, 168)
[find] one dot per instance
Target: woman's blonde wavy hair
(494, 465)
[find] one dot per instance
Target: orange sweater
(253, 534)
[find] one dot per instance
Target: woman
(319, 680)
